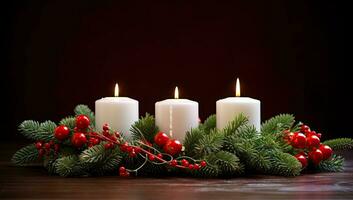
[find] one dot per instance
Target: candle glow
(176, 93)
(116, 90)
(237, 88)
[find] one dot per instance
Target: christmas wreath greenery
(75, 148)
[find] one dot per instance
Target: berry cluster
(307, 143)
(170, 146)
(44, 148)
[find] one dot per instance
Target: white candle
(227, 109)
(177, 116)
(118, 112)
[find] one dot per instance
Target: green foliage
(210, 143)
(46, 131)
(70, 122)
(85, 110)
(233, 125)
(35, 131)
(144, 129)
(29, 129)
(277, 124)
(334, 164)
(284, 164)
(340, 143)
(69, 166)
(209, 124)
(25, 155)
(227, 163)
(191, 140)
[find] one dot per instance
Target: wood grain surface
(34, 183)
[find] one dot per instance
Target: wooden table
(34, 183)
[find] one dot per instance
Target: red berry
(117, 134)
(137, 150)
(196, 167)
(39, 145)
(319, 135)
(124, 147)
(41, 152)
(312, 141)
(151, 157)
(108, 145)
(122, 169)
(47, 146)
(106, 134)
(304, 128)
(129, 148)
(316, 156)
(191, 166)
(173, 163)
(298, 140)
(302, 159)
(78, 140)
(203, 163)
(173, 147)
(125, 174)
(132, 153)
(184, 162)
(106, 127)
(94, 141)
(161, 139)
(326, 151)
(61, 132)
(82, 121)
(160, 155)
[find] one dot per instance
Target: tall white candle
(227, 109)
(177, 116)
(118, 112)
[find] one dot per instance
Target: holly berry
(191, 166)
(82, 121)
(161, 139)
(184, 163)
(304, 128)
(302, 159)
(61, 132)
(47, 146)
(203, 163)
(106, 127)
(132, 153)
(316, 156)
(41, 152)
(151, 157)
(78, 140)
(160, 155)
(94, 141)
(123, 172)
(298, 140)
(39, 145)
(56, 147)
(108, 145)
(174, 163)
(124, 147)
(196, 167)
(122, 169)
(173, 147)
(312, 141)
(326, 151)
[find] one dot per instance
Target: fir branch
(209, 143)
(236, 123)
(334, 164)
(277, 124)
(46, 131)
(191, 140)
(69, 166)
(110, 165)
(98, 154)
(29, 129)
(25, 155)
(70, 122)
(228, 163)
(144, 128)
(85, 110)
(284, 164)
(209, 124)
(49, 164)
(340, 143)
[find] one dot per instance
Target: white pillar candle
(118, 112)
(177, 116)
(227, 109)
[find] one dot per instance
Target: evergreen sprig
(25, 155)
(340, 143)
(334, 164)
(144, 129)
(85, 110)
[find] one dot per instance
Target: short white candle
(227, 109)
(118, 112)
(177, 116)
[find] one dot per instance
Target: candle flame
(237, 88)
(176, 93)
(116, 91)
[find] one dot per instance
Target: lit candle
(118, 112)
(227, 109)
(177, 116)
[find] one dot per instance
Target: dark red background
(287, 54)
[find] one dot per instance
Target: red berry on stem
(137, 150)
(316, 156)
(124, 147)
(161, 139)
(108, 145)
(298, 140)
(56, 147)
(191, 166)
(61, 132)
(173, 147)
(312, 141)
(47, 146)
(160, 155)
(174, 163)
(302, 159)
(82, 121)
(326, 151)
(39, 145)
(319, 135)
(197, 166)
(132, 153)
(106, 127)
(304, 128)
(41, 152)
(184, 162)
(122, 169)
(78, 140)
(203, 163)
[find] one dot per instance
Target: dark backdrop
(287, 54)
